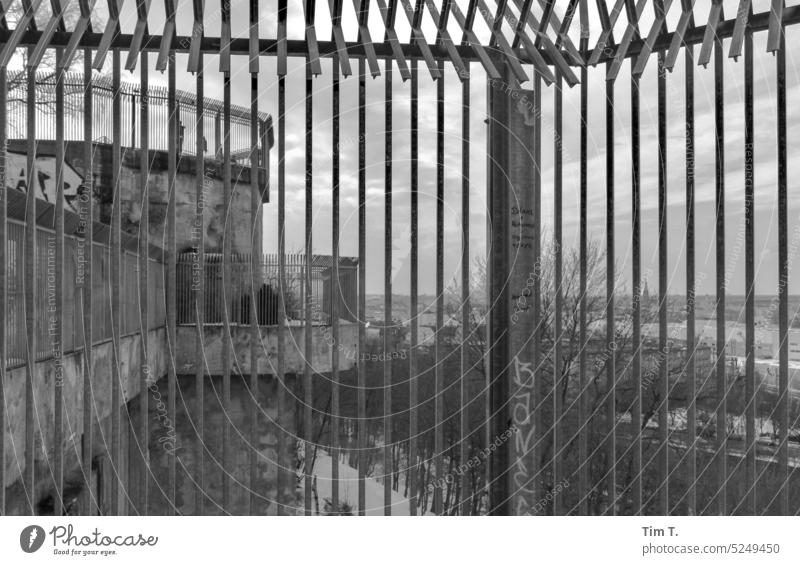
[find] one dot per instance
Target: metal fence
(239, 296)
(563, 432)
(71, 317)
(130, 111)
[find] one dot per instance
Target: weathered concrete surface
(72, 382)
(267, 350)
(158, 190)
(180, 439)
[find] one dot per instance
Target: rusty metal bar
(466, 327)
(144, 291)
(335, 390)
(783, 276)
(413, 455)
(388, 325)
(362, 249)
(308, 415)
(438, 459)
(56, 325)
(721, 454)
(118, 505)
(583, 408)
(200, 292)
(558, 264)
(610, 388)
(31, 257)
(691, 495)
(749, 266)
(86, 203)
(171, 279)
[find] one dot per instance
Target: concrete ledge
(267, 350)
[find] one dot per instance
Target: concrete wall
(267, 350)
(72, 382)
(180, 439)
(185, 196)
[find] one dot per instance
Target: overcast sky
(765, 152)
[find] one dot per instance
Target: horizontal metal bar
(297, 47)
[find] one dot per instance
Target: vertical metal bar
(117, 504)
(438, 461)
(663, 408)
(336, 291)
(308, 429)
(86, 229)
(610, 389)
(636, 314)
(283, 474)
(4, 261)
(227, 194)
(200, 290)
(583, 408)
(413, 454)
(719, 361)
(749, 276)
(558, 404)
(691, 495)
(388, 326)
(783, 278)
(56, 327)
(30, 283)
(464, 404)
(362, 247)
(538, 394)
(255, 285)
(144, 291)
(171, 281)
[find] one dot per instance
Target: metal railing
(73, 282)
(131, 102)
(239, 297)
